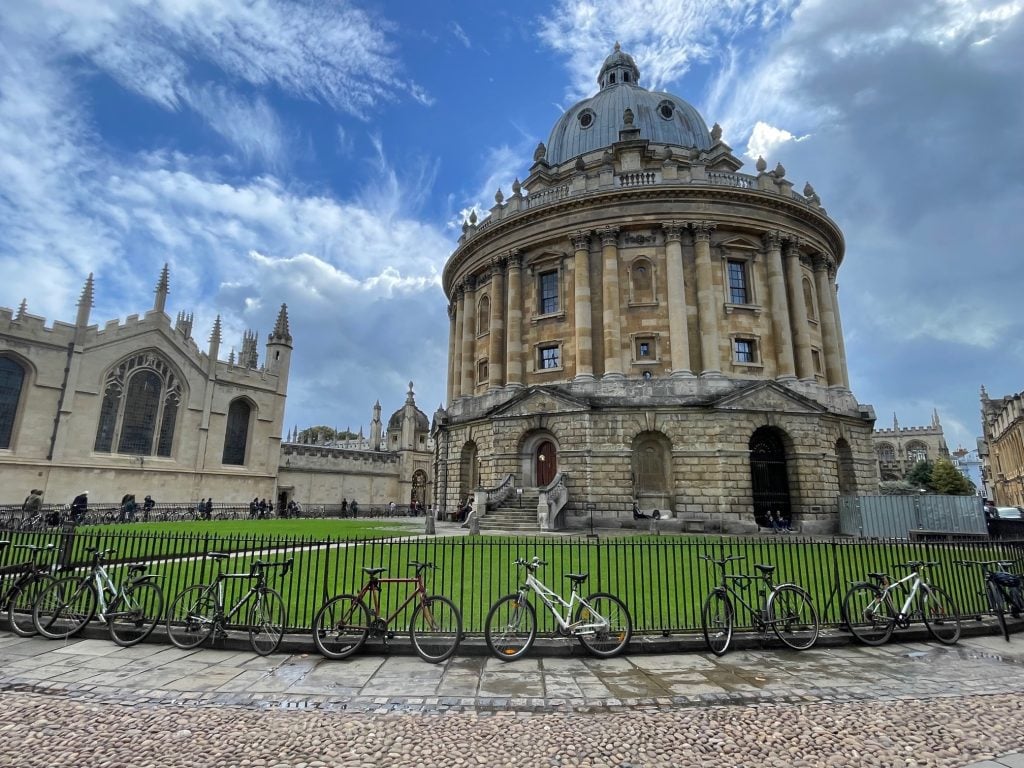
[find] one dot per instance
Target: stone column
(612, 315)
(798, 310)
(839, 328)
(468, 337)
(452, 330)
(785, 367)
(514, 316)
(833, 369)
(496, 353)
(708, 298)
(678, 332)
(460, 320)
(584, 321)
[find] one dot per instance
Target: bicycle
(199, 611)
(28, 580)
(130, 609)
(601, 622)
(871, 615)
(1002, 589)
(787, 609)
(343, 624)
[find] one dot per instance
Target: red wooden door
(547, 463)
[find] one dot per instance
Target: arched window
(916, 452)
(886, 453)
(140, 407)
(483, 316)
(12, 378)
(236, 437)
(809, 300)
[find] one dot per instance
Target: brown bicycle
(345, 622)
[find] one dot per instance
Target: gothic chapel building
(137, 407)
(639, 320)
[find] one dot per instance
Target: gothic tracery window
(140, 407)
(12, 377)
(236, 436)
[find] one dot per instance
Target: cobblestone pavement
(90, 703)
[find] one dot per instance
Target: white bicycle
(601, 622)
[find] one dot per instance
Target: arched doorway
(652, 461)
(419, 487)
(469, 475)
(847, 474)
(769, 478)
(546, 463)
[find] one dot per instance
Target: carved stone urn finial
(499, 198)
(780, 171)
(540, 152)
(627, 116)
(517, 188)
(761, 165)
(716, 132)
(472, 218)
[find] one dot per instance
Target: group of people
(261, 508)
(129, 507)
(778, 522)
(349, 509)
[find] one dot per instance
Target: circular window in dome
(666, 109)
(586, 118)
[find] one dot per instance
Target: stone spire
(231, 356)
(935, 418)
(375, 427)
(162, 289)
(248, 357)
(895, 422)
(22, 310)
(281, 333)
(183, 324)
(85, 303)
(215, 340)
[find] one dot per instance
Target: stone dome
(594, 123)
(395, 422)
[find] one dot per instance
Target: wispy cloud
(460, 34)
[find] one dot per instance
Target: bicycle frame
(549, 598)
(218, 585)
(736, 591)
(889, 586)
(373, 587)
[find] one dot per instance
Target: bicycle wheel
(267, 618)
(793, 617)
(340, 628)
(436, 629)
(716, 619)
(134, 613)
(998, 607)
(64, 607)
(511, 627)
(941, 615)
(612, 638)
(20, 602)
(192, 616)
(868, 614)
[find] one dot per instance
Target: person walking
(79, 506)
(147, 507)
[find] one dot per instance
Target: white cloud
(765, 139)
(250, 125)
(460, 34)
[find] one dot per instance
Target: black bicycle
(27, 581)
(200, 610)
(1004, 590)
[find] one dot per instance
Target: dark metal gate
(768, 477)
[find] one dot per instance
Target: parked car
(1008, 513)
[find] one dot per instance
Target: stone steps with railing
(513, 515)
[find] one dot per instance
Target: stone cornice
(607, 198)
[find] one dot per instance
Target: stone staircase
(512, 517)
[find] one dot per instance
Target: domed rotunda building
(638, 321)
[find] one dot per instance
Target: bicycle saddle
(577, 578)
(767, 570)
(374, 571)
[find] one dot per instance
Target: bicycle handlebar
(421, 566)
(533, 564)
(723, 561)
(915, 565)
(262, 565)
(983, 563)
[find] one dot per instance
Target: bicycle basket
(1008, 580)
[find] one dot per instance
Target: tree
(895, 488)
(321, 434)
(947, 479)
(920, 475)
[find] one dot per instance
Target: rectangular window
(816, 357)
(548, 290)
(738, 293)
(644, 349)
(549, 357)
(481, 372)
(745, 350)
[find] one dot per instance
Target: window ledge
(754, 308)
(550, 370)
(643, 303)
(738, 364)
(482, 335)
(652, 361)
(552, 316)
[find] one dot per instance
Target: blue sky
(323, 154)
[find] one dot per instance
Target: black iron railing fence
(661, 578)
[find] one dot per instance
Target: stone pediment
(768, 396)
(537, 401)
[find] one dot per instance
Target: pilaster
(468, 337)
(679, 334)
(514, 316)
(798, 310)
(785, 367)
(496, 351)
(833, 369)
(708, 298)
(612, 315)
(584, 307)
